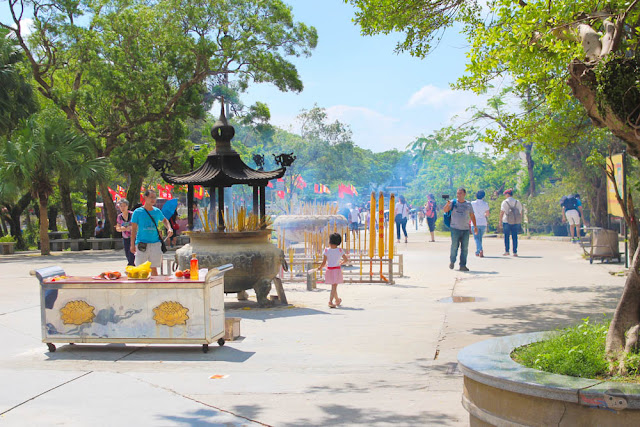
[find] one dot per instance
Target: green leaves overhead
(422, 21)
(115, 66)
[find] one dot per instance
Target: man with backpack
(457, 215)
(510, 221)
(571, 213)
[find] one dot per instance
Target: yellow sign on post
(617, 163)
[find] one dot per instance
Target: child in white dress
(334, 258)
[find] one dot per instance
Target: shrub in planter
(6, 245)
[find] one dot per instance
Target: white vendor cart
(158, 310)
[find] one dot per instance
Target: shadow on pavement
(482, 272)
(349, 415)
(549, 316)
(201, 417)
(151, 353)
(233, 309)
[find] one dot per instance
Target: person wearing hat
(481, 211)
(510, 220)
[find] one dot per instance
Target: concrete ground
(388, 356)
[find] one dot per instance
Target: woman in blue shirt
(145, 239)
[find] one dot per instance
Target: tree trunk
(530, 171)
(632, 224)
(90, 225)
(626, 317)
(67, 209)
(597, 198)
(133, 193)
(13, 218)
(109, 208)
(582, 81)
(44, 225)
(52, 215)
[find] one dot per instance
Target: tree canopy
(553, 52)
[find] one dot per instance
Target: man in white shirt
(510, 219)
(481, 211)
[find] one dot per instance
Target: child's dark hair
(335, 239)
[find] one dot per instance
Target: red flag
(316, 188)
(280, 194)
(270, 184)
(112, 193)
(300, 183)
(198, 192)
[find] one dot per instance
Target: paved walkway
(387, 357)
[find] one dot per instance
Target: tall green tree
(34, 155)
(115, 67)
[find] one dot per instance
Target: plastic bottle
(194, 267)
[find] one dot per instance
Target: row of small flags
(199, 192)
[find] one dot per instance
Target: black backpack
(570, 203)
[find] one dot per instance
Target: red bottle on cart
(194, 267)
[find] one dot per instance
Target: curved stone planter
(501, 392)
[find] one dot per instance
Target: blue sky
(387, 99)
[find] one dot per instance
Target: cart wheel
(221, 342)
(205, 348)
(52, 347)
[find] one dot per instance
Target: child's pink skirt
(333, 276)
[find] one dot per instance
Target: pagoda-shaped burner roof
(224, 170)
(224, 167)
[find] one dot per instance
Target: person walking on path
(431, 213)
(402, 216)
(481, 212)
(571, 213)
(510, 220)
(145, 237)
(334, 257)
(354, 221)
(461, 214)
(123, 225)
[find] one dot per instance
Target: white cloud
(433, 96)
(26, 27)
(371, 129)
(347, 113)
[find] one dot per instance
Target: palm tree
(45, 146)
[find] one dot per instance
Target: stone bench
(58, 245)
(99, 244)
(75, 245)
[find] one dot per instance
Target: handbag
(162, 244)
